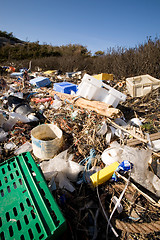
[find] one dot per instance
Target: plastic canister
(47, 139)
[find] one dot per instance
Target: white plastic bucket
(47, 139)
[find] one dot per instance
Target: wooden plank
(127, 131)
(134, 142)
(97, 106)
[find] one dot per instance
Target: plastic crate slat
(42, 209)
(41, 186)
(25, 213)
(18, 197)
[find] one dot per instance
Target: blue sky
(96, 24)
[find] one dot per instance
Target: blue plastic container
(65, 87)
(40, 81)
(16, 74)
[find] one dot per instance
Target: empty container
(40, 81)
(47, 139)
(141, 85)
(65, 87)
(94, 89)
(88, 87)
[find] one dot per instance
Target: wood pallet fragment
(97, 106)
(127, 131)
(134, 142)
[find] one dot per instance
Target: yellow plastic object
(103, 76)
(104, 174)
(49, 72)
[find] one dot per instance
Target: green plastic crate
(28, 210)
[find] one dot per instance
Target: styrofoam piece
(109, 156)
(89, 87)
(141, 85)
(108, 136)
(40, 81)
(156, 145)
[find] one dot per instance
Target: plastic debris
(3, 135)
(103, 129)
(62, 169)
(56, 104)
(104, 175)
(119, 206)
(10, 146)
(26, 147)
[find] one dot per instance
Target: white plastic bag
(62, 169)
(139, 158)
(3, 135)
(103, 129)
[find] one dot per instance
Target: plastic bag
(140, 158)
(62, 169)
(103, 129)
(26, 147)
(3, 135)
(9, 124)
(19, 117)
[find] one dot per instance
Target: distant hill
(122, 62)
(13, 49)
(8, 38)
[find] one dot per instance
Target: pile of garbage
(97, 142)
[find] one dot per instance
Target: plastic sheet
(103, 129)
(26, 147)
(3, 135)
(62, 169)
(139, 158)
